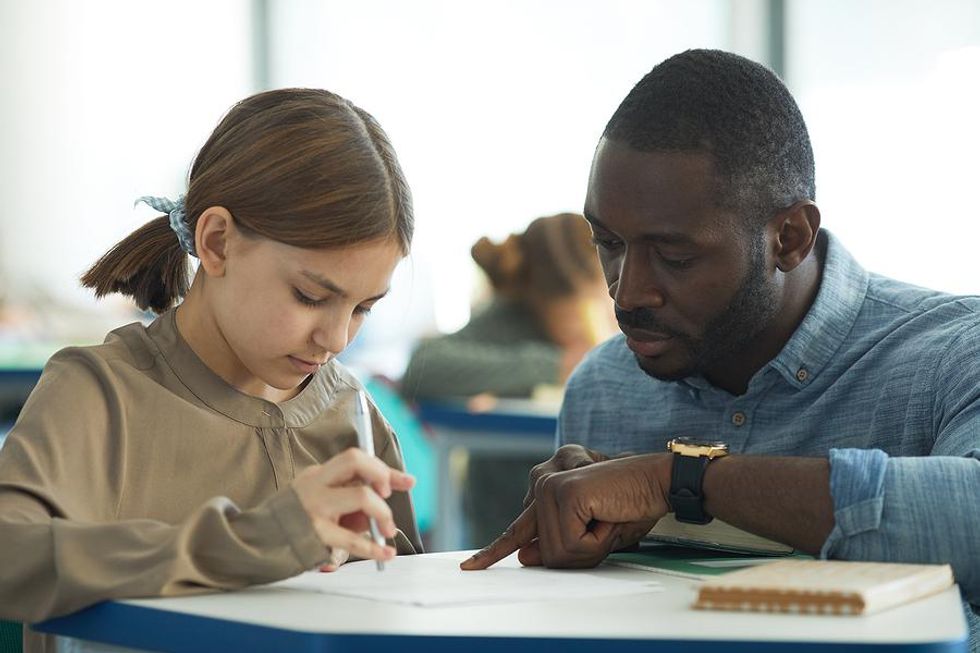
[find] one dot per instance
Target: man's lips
(647, 343)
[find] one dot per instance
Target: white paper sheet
(439, 582)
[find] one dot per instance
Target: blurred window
(890, 90)
(495, 108)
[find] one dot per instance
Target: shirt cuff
(857, 479)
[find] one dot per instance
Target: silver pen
(365, 442)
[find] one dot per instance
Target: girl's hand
(343, 493)
(337, 557)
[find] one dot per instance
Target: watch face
(698, 442)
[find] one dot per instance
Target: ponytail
(553, 258)
(148, 265)
(502, 263)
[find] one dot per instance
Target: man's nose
(636, 286)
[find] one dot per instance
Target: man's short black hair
(734, 109)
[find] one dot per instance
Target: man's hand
(573, 456)
(569, 456)
(578, 516)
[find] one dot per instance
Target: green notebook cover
(689, 562)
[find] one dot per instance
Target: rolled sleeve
(907, 509)
(857, 485)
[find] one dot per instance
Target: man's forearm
(785, 498)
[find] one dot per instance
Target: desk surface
(284, 619)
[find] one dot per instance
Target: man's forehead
(669, 187)
(617, 164)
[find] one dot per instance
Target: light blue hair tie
(177, 219)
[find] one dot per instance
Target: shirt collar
(218, 395)
(843, 286)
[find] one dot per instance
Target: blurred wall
(104, 102)
(890, 90)
(494, 108)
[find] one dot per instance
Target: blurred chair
(11, 634)
(418, 452)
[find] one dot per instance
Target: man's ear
(211, 235)
(795, 231)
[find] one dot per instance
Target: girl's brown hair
(554, 258)
(304, 167)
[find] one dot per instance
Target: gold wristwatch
(691, 459)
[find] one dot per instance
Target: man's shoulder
(911, 298)
(930, 314)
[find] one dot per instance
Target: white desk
(512, 427)
(278, 619)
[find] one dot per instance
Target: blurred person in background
(549, 306)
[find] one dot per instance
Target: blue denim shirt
(881, 377)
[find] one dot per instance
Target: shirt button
(738, 418)
(802, 374)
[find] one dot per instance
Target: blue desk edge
(142, 627)
(457, 417)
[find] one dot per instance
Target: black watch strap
(686, 476)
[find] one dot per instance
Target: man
(850, 403)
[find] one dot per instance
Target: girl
(189, 455)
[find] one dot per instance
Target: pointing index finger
(520, 533)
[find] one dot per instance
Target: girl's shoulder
(125, 350)
(129, 343)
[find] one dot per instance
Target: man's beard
(751, 309)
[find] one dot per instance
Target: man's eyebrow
(665, 237)
(321, 280)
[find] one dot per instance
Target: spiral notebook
(823, 587)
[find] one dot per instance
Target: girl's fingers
(401, 482)
(338, 557)
(341, 496)
(355, 543)
(349, 466)
(355, 521)
(353, 465)
(339, 502)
